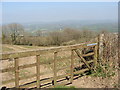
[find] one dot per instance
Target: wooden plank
(28, 85)
(82, 59)
(17, 73)
(27, 66)
(81, 71)
(48, 80)
(38, 71)
(55, 70)
(63, 76)
(89, 54)
(35, 52)
(85, 55)
(76, 65)
(72, 65)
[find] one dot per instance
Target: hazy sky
(22, 12)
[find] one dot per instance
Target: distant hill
(81, 25)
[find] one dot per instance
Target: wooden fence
(75, 49)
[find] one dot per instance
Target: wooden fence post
(95, 56)
(72, 65)
(55, 70)
(16, 72)
(38, 71)
(101, 47)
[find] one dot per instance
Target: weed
(103, 71)
(116, 85)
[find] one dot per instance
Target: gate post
(72, 65)
(54, 68)
(95, 56)
(100, 47)
(16, 72)
(38, 71)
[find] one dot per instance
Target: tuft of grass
(65, 87)
(103, 71)
(116, 85)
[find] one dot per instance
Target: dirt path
(15, 48)
(20, 47)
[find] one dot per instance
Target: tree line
(17, 35)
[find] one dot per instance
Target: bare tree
(38, 33)
(56, 37)
(72, 34)
(16, 30)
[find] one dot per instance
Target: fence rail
(74, 50)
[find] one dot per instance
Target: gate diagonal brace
(80, 56)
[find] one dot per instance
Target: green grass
(103, 72)
(116, 85)
(65, 87)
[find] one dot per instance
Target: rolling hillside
(111, 26)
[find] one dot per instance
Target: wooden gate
(78, 61)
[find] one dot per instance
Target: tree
(38, 33)
(56, 37)
(72, 34)
(103, 31)
(16, 30)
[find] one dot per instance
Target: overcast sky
(57, 11)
